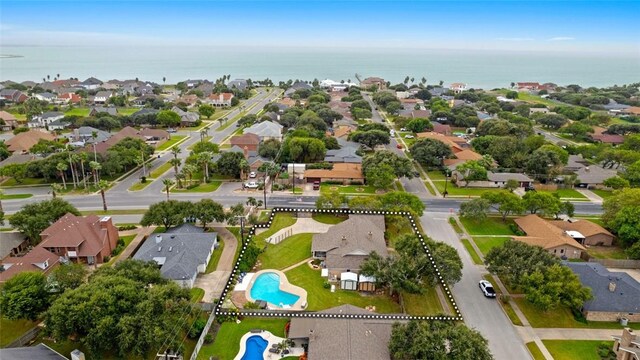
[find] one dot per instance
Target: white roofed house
(46, 96)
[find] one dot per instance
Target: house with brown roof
(346, 173)
(342, 131)
(249, 141)
(421, 114)
(612, 139)
(153, 137)
(22, 142)
(346, 245)
(343, 339)
(592, 233)
(86, 240)
(633, 110)
(461, 157)
(72, 98)
(36, 260)
(544, 234)
(441, 128)
(380, 83)
(10, 121)
(457, 144)
(457, 87)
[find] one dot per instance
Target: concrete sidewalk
(576, 334)
(214, 282)
(593, 197)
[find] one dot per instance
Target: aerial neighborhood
(359, 218)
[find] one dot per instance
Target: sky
(570, 25)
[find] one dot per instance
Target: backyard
(288, 252)
(280, 221)
(321, 298)
(227, 342)
(328, 218)
(13, 329)
(426, 303)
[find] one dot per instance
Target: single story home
(181, 252)
(544, 234)
(615, 294)
(187, 118)
(593, 176)
(495, 180)
(343, 339)
(239, 84)
(266, 130)
(22, 142)
(343, 155)
(346, 245)
(111, 110)
(10, 121)
(345, 173)
(592, 233)
(38, 352)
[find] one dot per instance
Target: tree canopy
(24, 296)
(430, 152)
(33, 218)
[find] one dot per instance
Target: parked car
(252, 174)
(392, 132)
(399, 146)
(316, 185)
(403, 129)
(251, 185)
(170, 130)
(529, 188)
(408, 136)
(487, 289)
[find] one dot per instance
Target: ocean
(478, 68)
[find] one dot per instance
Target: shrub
(143, 179)
(326, 285)
(208, 339)
(251, 305)
(505, 298)
(127, 227)
(197, 328)
(513, 227)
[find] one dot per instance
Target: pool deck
(272, 339)
(285, 286)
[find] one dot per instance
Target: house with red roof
(36, 260)
(222, 99)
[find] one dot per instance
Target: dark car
(529, 188)
(316, 185)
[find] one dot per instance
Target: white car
(403, 129)
(487, 289)
(408, 136)
(251, 185)
(392, 132)
(252, 174)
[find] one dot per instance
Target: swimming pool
(255, 347)
(267, 287)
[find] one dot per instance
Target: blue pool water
(267, 288)
(255, 347)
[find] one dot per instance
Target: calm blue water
(267, 288)
(255, 348)
(478, 68)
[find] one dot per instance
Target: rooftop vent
(170, 248)
(158, 239)
(159, 248)
(612, 286)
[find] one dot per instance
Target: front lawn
(196, 294)
(454, 190)
(227, 342)
(25, 181)
(171, 142)
(602, 193)
(83, 112)
(10, 330)
(436, 175)
(328, 218)
(575, 349)
(562, 318)
(487, 243)
(201, 188)
(348, 189)
(15, 196)
(472, 252)
(569, 194)
(426, 303)
(288, 252)
(490, 226)
(280, 221)
(114, 212)
(535, 351)
(320, 298)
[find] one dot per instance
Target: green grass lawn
(114, 212)
(127, 240)
(171, 142)
(140, 185)
(453, 190)
(157, 172)
(535, 351)
(196, 294)
(602, 193)
(490, 226)
(84, 112)
(328, 218)
(436, 175)
(455, 226)
(215, 258)
(15, 196)
(10, 330)
(288, 252)
(280, 221)
(320, 298)
(231, 121)
(201, 188)
(524, 96)
(562, 318)
(429, 188)
(227, 342)
(574, 349)
(569, 194)
(348, 189)
(206, 139)
(607, 252)
(25, 181)
(426, 303)
(487, 243)
(474, 255)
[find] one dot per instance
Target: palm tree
(203, 133)
(83, 157)
(55, 189)
(188, 170)
(204, 158)
(423, 80)
(103, 185)
(164, 79)
(167, 185)
(221, 120)
(62, 167)
(176, 162)
(95, 168)
(244, 168)
(48, 77)
(175, 151)
(58, 76)
(412, 79)
(94, 135)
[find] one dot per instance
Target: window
(561, 251)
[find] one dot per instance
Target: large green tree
(621, 214)
(167, 213)
(68, 276)
(402, 201)
(371, 138)
(471, 170)
(437, 340)
(33, 218)
(24, 296)
(475, 209)
(230, 164)
(401, 165)
(506, 203)
(207, 211)
(130, 302)
(555, 285)
(514, 260)
(168, 118)
(380, 176)
(430, 152)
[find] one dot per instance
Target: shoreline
(9, 56)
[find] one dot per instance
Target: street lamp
(264, 190)
(446, 178)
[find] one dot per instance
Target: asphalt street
(483, 314)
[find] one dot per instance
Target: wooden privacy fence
(617, 263)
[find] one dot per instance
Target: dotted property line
(279, 313)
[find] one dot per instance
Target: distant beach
(478, 68)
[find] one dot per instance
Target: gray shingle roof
(38, 352)
(345, 154)
(594, 174)
(179, 251)
(349, 243)
(597, 277)
(492, 176)
(265, 129)
(106, 109)
(8, 241)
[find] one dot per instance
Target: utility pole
(264, 189)
(144, 166)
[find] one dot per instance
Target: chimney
(586, 168)
(612, 286)
(627, 337)
(105, 222)
(158, 239)
(245, 151)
